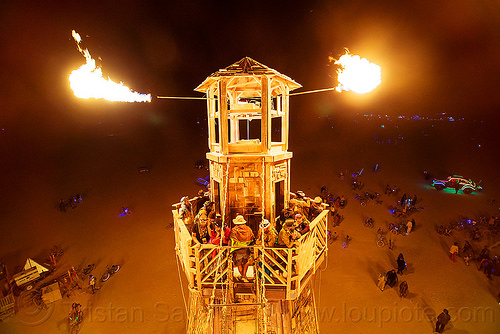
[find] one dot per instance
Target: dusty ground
(145, 296)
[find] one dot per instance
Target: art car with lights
(458, 183)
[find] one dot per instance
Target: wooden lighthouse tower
(248, 118)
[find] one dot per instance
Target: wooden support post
(198, 267)
(286, 119)
(289, 274)
(211, 118)
(266, 115)
(223, 123)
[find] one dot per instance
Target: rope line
(214, 98)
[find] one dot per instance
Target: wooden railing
(282, 269)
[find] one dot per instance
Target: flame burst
(87, 82)
(357, 74)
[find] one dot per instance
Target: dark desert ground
(53, 145)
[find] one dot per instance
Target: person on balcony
(316, 208)
(216, 232)
(301, 223)
(284, 215)
(267, 235)
(206, 210)
(201, 230)
(241, 236)
(300, 202)
(288, 235)
(216, 235)
(186, 210)
(200, 200)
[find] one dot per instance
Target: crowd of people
(390, 278)
(207, 227)
(488, 264)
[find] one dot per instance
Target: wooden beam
(266, 115)
(223, 124)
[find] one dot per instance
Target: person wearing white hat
(241, 236)
(267, 235)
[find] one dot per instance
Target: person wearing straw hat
(241, 236)
(316, 208)
(300, 202)
(267, 235)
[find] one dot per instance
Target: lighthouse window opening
(279, 197)
(249, 128)
(274, 103)
(276, 129)
(217, 196)
(216, 139)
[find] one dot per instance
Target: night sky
(435, 55)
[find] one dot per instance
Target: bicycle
(346, 242)
(110, 271)
(382, 241)
(363, 200)
(369, 222)
(397, 229)
(88, 270)
(331, 237)
(125, 211)
(75, 320)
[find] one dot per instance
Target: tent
(30, 263)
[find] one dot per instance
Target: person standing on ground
(409, 226)
(92, 283)
(401, 263)
(453, 251)
(403, 289)
(381, 281)
(485, 254)
(442, 320)
(392, 278)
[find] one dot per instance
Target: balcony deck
(284, 271)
